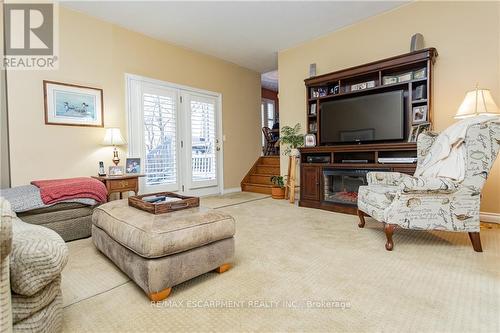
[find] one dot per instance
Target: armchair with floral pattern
(433, 203)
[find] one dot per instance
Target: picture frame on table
(72, 105)
(133, 165)
(115, 170)
(419, 114)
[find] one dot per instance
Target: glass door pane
(160, 139)
(202, 141)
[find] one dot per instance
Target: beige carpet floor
(299, 269)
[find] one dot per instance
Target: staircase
(258, 179)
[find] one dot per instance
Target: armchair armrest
(428, 184)
(385, 178)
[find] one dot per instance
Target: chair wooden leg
(389, 230)
(361, 215)
(476, 241)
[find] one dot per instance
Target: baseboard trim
(490, 217)
(231, 190)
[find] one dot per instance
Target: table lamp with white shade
(113, 137)
(477, 102)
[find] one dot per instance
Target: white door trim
(129, 80)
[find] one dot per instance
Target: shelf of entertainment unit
(419, 101)
(362, 91)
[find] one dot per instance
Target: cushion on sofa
(38, 257)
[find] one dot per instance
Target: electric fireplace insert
(341, 185)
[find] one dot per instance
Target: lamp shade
(477, 102)
(113, 137)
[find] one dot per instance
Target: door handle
(218, 148)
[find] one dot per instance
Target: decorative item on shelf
(113, 137)
(115, 170)
(389, 79)
(278, 190)
(313, 127)
(423, 128)
(417, 130)
(101, 171)
(312, 109)
(417, 42)
(333, 90)
(312, 70)
(72, 105)
(419, 74)
(419, 114)
(477, 102)
(363, 85)
(322, 91)
(310, 140)
(405, 77)
(133, 165)
(412, 137)
(419, 92)
(314, 93)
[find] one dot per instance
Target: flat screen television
(377, 117)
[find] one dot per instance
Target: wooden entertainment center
(327, 171)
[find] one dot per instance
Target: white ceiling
(245, 33)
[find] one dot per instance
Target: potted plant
(291, 139)
(278, 190)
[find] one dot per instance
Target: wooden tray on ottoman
(166, 207)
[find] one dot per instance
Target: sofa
(32, 259)
(71, 220)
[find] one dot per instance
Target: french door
(176, 133)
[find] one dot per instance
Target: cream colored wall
(4, 142)
(96, 53)
(466, 35)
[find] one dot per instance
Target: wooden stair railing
(258, 178)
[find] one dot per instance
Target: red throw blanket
(57, 190)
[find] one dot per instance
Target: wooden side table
(120, 184)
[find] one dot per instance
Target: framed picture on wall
(72, 105)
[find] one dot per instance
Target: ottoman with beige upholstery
(160, 251)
